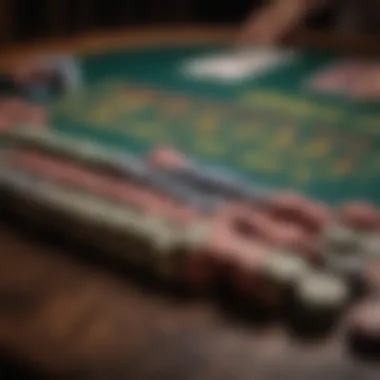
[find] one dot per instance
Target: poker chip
(363, 328)
(319, 300)
(246, 275)
(196, 235)
(285, 204)
(321, 291)
(214, 182)
(360, 215)
(293, 207)
(339, 240)
(351, 268)
(133, 168)
(259, 224)
(209, 248)
(163, 243)
(35, 115)
(167, 158)
(370, 245)
(181, 221)
(371, 276)
(284, 268)
(279, 273)
(5, 124)
(63, 147)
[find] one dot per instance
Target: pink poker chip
(5, 123)
(246, 276)
(36, 115)
(168, 158)
(312, 216)
(372, 276)
(360, 215)
(286, 204)
(183, 215)
(365, 319)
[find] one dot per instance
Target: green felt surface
(272, 130)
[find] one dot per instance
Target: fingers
(269, 26)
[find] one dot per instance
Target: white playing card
(237, 65)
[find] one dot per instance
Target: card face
(237, 65)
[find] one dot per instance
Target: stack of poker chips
(181, 221)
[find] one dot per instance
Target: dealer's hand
(274, 21)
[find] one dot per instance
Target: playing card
(237, 65)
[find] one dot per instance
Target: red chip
(286, 203)
(182, 214)
(372, 276)
(212, 261)
(247, 276)
(35, 115)
(244, 220)
(310, 215)
(255, 223)
(360, 215)
(364, 320)
(308, 248)
(285, 235)
(39, 164)
(167, 158)
(315, 216)
(5, 123)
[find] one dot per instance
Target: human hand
(273, 22)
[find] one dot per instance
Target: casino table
(270, 130)
(76, 318)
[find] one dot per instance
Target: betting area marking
(293, 148)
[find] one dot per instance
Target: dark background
(26, 20)
(23, 20)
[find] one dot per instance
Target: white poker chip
(284, 268)
(339, 239)
(196, 235)
(370, 245)
(164, 242)
(322, 290)
(121, 218)
(348, 266)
